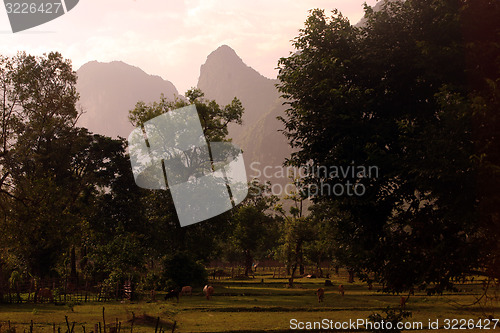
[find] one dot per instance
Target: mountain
(109, 90)
(225, 76)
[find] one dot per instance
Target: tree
(253, 228)
(214, 119)
(414, 95)
(38, 114)
(181, 269)
(51, 170)
(296, 231)
(196, 239)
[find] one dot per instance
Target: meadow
(262, 304)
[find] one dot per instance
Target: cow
(321, 294)
(208, 291)
(341, 289)
(187, 290)
(45, 293)
(174, 293)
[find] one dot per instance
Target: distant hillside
(225, 76)
(109, 90)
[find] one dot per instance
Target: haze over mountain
(225, 76)
(109, 90)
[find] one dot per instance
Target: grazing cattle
(187, 290)
(321, 294)
(208, 291)
(174, 293)
(45, 293)
(341, 289)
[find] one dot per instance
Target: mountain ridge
(109, 90)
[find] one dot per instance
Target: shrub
(391, 316)
(182, 269)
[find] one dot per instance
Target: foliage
(184, 270)
(166, 235)
(253, 228)
(414, 93)
(38, 178)
(54, 177)
(214, 119)
(391, 316)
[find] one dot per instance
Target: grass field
(247, 305)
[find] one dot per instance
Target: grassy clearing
(247, 306)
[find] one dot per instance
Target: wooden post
(65, 286)
(103, 320)
(157, 322)
(67, 323)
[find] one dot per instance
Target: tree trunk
(248, 262)
(72, 274)
(290, 280)
(351, 276)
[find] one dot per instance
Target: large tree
(253, 228)
(197, 239)
(413, 92)
(50, 169)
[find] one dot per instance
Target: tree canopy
(414, 92)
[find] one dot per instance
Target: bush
(391, 316)
(183, 270)
(151, 281)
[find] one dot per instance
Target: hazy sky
(172, 38)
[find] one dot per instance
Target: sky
(172, 38)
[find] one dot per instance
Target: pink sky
(172, 38)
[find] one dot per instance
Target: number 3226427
(463, 324)
(33, 8)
